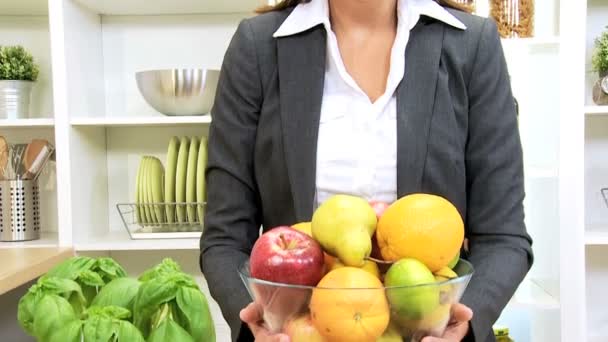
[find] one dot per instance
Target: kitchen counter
(21, 265)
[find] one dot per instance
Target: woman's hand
(253, 316)
(458, 327)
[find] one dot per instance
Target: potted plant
(18, 72)
(599, 60)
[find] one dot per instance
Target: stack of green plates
(181, 182)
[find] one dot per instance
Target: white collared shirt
(357, 142)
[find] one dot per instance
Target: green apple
(411, 289)
(454, 261)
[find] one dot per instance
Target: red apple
(379, 208)
(286, 255)
(301, 329)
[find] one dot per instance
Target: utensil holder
(19, 210)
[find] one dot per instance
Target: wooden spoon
(36, 153)
(3, 158)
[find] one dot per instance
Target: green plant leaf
(71, 268)
(119, 292)
(70, 332)
(16, 63)
(98, 329)
(52, 312)
(109, 269)
(199, 323)
(167, 266)
(128, 332)
(149, 300)
(65, 288)
(599, 59)
(114, 312)
(170, 331)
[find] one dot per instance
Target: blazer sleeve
(232, 214)
(499, 246)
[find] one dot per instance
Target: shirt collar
(316, 12)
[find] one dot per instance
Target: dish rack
(142, 229)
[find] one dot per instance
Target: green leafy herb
(70, 332)
(118, 292)
(109, 324)
(28, 304)
(599, 60)
(193, 305)
(170, 331)
(52, 312)
(17, 64)
(167, 266)
(91, 274)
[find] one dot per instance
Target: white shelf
(596, 110)
(24, 7)
(530, 295)
(9, 123)
(141, 121)
(46, 240)
(156, 7)
(120, 241)
(595, 236)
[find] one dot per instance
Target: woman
(374, 98)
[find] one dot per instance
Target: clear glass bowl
(315, 314)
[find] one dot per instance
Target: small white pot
(15, 99)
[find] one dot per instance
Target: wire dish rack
(151, 220)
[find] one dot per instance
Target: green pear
(344, 225)
(390, 335)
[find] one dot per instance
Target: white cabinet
(595, 171)
(90, 107)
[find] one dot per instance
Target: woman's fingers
(460, 313)
(253, 316)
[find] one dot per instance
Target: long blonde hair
(284, 4)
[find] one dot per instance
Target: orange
(332, 263)
(421, 226)
(349, 304)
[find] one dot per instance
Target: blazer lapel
(301, 63)
(415, 100)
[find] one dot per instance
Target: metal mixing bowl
(179, 92)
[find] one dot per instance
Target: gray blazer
(457, 137)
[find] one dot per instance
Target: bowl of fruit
(361, 271)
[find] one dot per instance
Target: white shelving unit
(142, 121)
(24, 123)
(596, 110)
(595, 167)
(90, 107)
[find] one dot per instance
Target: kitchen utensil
(177, 92)
(20, 210)
(170, 170)
(191, 179)
(180, 178)
(3, 158)
(17, 169)
(36, 155)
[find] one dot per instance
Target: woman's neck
(363, 14)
